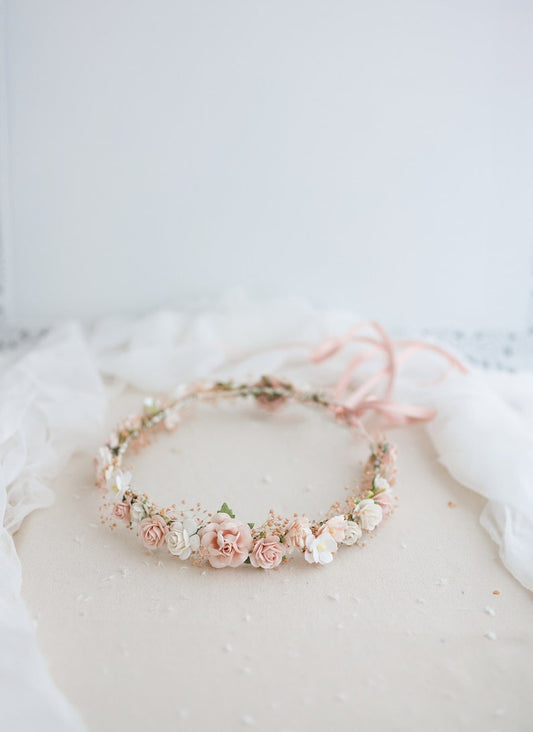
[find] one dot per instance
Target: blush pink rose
(122, 510)
(385, 501)
(153, 531)
(267, 552)
(297, 532)
(225, 542)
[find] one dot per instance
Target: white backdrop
(374, 155)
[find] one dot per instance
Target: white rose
(182, 539)
(352, 533)
(137, 512)
(369, 514)
(381, 483)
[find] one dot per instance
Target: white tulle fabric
(53, 400)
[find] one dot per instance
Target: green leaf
(226, 509)
(251, 525)
(247, 560)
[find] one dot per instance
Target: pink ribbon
(363, 399)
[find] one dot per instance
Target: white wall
(372, 154)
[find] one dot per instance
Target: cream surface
(403, 634)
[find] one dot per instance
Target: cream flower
(296, 534)
(352, 533)
(336, 526)
(138, 512)
(369, 514)
(320, 549)
(104, 463)
(182, 538)
(381, 483)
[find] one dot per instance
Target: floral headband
(192, 533)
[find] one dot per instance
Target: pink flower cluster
(226, 542)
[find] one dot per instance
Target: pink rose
(122, 510)
(267, 552)
(297, 532)
(225, 542)
(385, 501)
(335, 526)
(153, 531)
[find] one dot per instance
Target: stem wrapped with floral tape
(219, 538)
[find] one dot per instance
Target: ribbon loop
(363, 399)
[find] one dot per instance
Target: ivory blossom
(182, 539)
(137, 512)
(369, 514)
(352, 533)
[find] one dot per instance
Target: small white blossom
(138, 512)
(104, 462)
(369, 514)
(352, 533)
(381, 483)
(119, 483)
(320, 549)
(151, 406)
(182, 539)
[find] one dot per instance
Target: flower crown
(220, 538)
